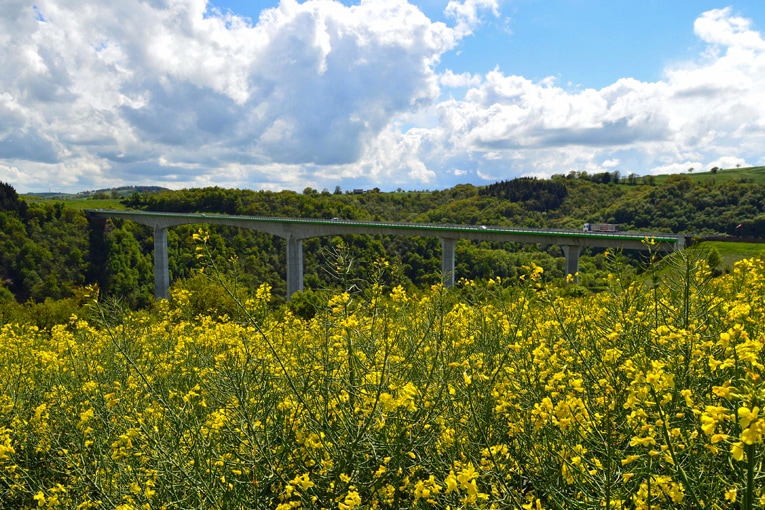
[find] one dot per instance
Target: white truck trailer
(601, 227)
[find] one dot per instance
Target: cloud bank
(319, 94)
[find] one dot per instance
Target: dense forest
(51, 251)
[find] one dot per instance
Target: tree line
(49, 250)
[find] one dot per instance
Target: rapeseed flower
(381, 402)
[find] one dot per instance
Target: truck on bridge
(601, 227)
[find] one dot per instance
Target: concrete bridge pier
(572, 259)
(294, 266)
(447, 261)
(161, 270)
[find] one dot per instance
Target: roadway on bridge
(324, 227)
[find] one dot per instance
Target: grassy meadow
(755, 174)
(502, 395)
(731, 252)
(81, 204)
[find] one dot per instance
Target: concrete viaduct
(294, 230)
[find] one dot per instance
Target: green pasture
(81, 203)
(731, 252)
(755, 174)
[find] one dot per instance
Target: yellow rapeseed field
(506, 395)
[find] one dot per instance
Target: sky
(388, 94)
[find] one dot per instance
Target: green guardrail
(401, 226)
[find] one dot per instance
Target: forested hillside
(44, 249)
(49, 250)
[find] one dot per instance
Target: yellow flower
(451, 483)
(737, 450)
(352, 500)
(642, 441)
(724, 391)
(708, 424)
(750, 435)
(629, 459)
(303, 481)
(686, 394)
(747, 416)
(533, 505)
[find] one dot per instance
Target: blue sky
(585, 43)
(385, 93)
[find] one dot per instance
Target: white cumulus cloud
(141, 89)
(318, 93)
(703, 112)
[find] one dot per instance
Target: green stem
(668, 439)
(749, 494)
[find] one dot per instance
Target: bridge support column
(294, 265)
(572, 260)
(447, 261)
(161, 271)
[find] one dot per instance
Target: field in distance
(754, 174)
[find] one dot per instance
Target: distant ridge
(754, 174)
(121, 191)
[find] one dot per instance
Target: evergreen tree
(10, 200)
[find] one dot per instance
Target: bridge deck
(305, 228)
